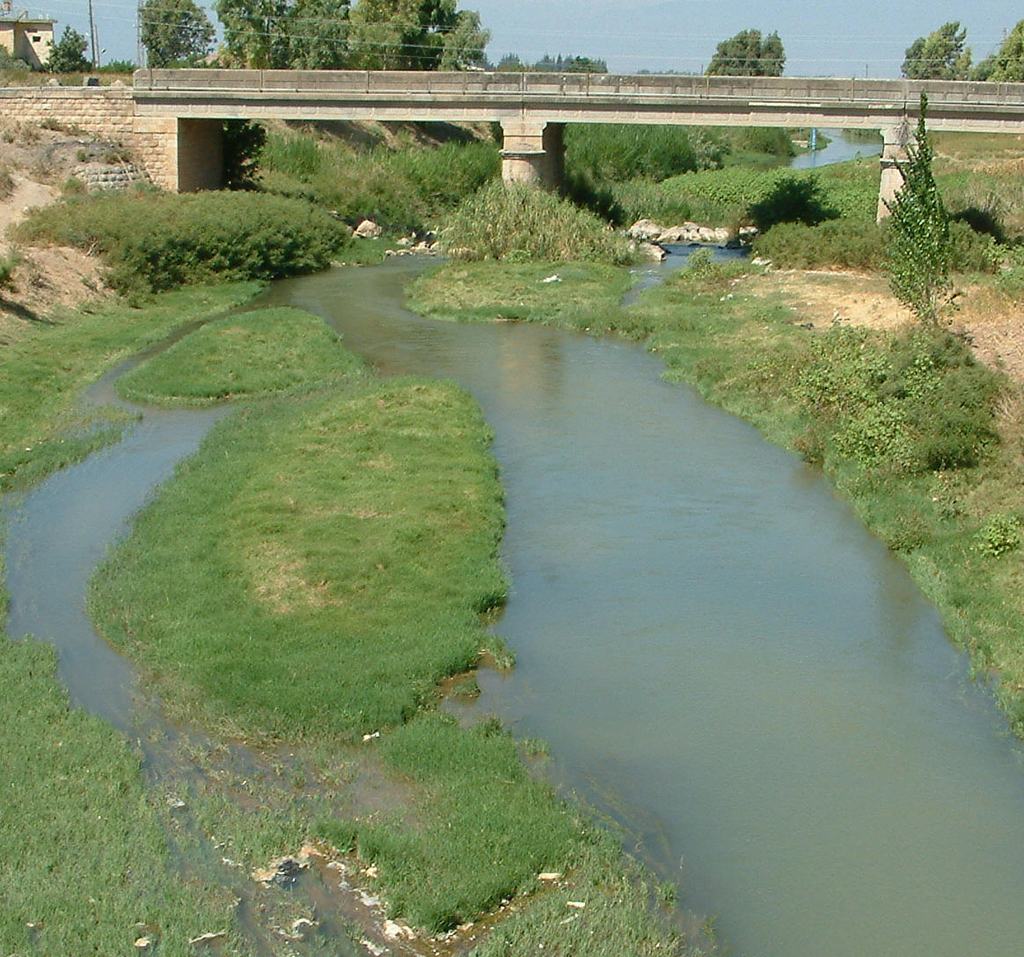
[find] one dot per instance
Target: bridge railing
(643, 86)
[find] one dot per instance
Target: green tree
(1007, 64)
(244, 141)
(939, 56)
(68, 54)
(415, 35)
(918, 254)
(255, 33)
(174, 31)
(748, 54)
(318, 35)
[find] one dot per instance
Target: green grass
(256, 354)
(42, 424)
(84, 860)
(468, 292)
(319, 566)
(485, 828)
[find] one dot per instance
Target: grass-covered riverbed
(300, 586)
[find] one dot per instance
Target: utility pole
(93, 39)
(140, 50)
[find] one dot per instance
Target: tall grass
(516, 223)
(617, 153)
(400, 189)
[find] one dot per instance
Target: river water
(718, 652)
(842, 145)
(720, 656)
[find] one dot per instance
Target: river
(718, 652)
(720, 656)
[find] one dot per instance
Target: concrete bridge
(176, 114)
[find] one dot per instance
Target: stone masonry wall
(101, 111)
(104, 112)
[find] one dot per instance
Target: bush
(791, 199)
(522, 223)
(7, 266)
(838, 243)
(153, 242)
(914, 402)
(972, 251)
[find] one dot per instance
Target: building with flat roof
(26, 37)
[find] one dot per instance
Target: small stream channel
(720, 656)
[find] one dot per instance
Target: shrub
(791, 199)
(836, 242)
(878, 401)
(764, 139)
(972, 251)
(7, 266)
(153, 242)
(522, 223)
(999, 535)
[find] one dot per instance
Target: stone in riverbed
(644, 230)
(368, 229)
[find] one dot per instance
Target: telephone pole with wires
(94, 40)
(140, 50)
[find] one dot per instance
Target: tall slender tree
(918, 257)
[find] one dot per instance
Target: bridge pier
(894, 152)
(181, 155)
(533, 152)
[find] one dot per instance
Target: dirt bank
(992, 323)
(34, 164)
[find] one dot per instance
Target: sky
(821, 38)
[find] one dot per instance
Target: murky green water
(716, 648)
(718, 653)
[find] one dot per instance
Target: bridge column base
(181, 155)
(894, 152)
(533, 153)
